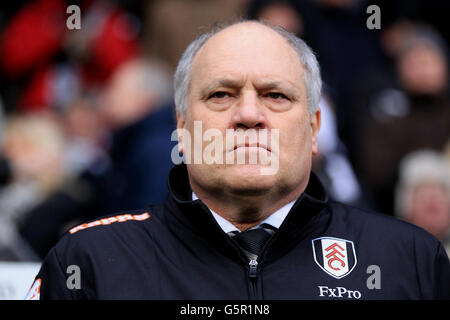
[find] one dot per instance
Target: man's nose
(249, 113)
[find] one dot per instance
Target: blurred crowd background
(86, 115)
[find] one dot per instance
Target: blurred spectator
(331, 163)
(423, 64)
(32, 36)
(33, 146)
(347, 50)
(398, 15)
(86, 135)
(136, 109)
(283, 13)
(396, 39)
(423, 193)
(45, 65)
(171, 25)
(393, 36)
(136, 89)
(413, 114)
(109, 159)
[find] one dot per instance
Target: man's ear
(315, 121)
(180, 126)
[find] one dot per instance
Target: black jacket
(176, 250)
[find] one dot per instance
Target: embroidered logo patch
(334, 256)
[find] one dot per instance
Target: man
(234, 231)
(422, 194)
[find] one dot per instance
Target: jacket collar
(196, 216)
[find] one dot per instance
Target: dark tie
(252, 241)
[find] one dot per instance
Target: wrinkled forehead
(249, 48)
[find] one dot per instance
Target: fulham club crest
(334, 256)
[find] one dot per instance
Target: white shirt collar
(275, 219)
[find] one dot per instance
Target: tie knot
(252, 240)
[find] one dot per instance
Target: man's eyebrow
(220, 82)
(278, 85)
(271, 84)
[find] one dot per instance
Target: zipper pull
(253, 264)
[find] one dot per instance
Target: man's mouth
(251, 145)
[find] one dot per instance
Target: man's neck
(245, 212)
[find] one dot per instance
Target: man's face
(248, 77)
(430, 208)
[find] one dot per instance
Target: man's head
(312, 78)
(250, 76)
(422, 194)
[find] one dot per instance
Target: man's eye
(219, 95)
(276, 95)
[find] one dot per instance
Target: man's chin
(248, 179)
(246, 170)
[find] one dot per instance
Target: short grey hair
(416, 168)
(312, 78)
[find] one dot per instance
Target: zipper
(253, 270)
(253, 275)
